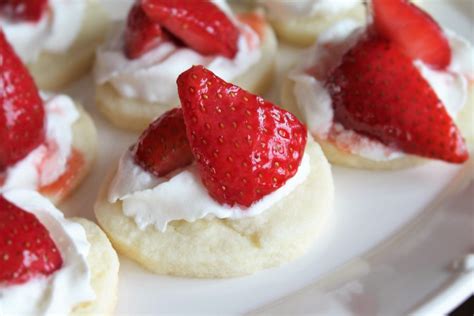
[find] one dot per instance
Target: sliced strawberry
(378, 92)
(26, 248)
(22, 117)
(163, 146)
(245, 147)
(413, 30)
(199, 24)
(141, 34)
(27, 10)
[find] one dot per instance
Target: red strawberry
(378, 92)
(246, 147)
(163, 146)
(413, 30)
(28, 10)
(199, 24)
(141, 34)
(21, 108)
(26, 248)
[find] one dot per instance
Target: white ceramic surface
(352, 269)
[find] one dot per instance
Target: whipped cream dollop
(314, 100)
(152, 77)
(58, 293)
(284, 9)
(46, 163)
(54, 32)
(182, 196)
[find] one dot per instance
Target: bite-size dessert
(300, 22)
(47, 142)
(389, 94)
(55, 38)
(136, 69)
(224, 186)
(50, 265)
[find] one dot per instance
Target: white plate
(371, 207)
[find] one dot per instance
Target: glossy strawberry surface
(245, 146)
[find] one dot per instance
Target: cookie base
(104, 265)
(219, 248)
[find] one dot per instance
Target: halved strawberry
(26, 248)
(141, 34)
(163, 146)
(22, 120)
(245, 147)
(199, 24)
(378, 92)
(413, 30)
(28, 10)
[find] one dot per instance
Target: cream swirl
(182, 196)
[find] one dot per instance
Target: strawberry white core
(152, 77)
(182, 196)
(47, 162)
(59, 292)
(314, 101)
(54, 33)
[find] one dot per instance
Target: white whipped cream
(182, 196)
(284, 9)
(152, 77)
(314, 101)
(59, 292)
(47, 162)
(55, 32)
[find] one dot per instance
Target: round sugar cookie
(104, 264)
(136, 115)
(219, 248)
(464, 121)
(53, 71)
(84, 147)
(303, 31)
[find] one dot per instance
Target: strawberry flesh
(245, 147)
(163, 147)
(26, 10)
(199, 24)
(415, 32)
(379, 93)
(141, 33)
(22, 118)
(26, 248)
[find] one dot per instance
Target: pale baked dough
(303, 31)
(53, 71)
(465, 122)
(217, 248)
(85, 141)
(104, 265)
(135, 115)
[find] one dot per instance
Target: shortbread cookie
(227, 248)
(53, 71)
(104, 265)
